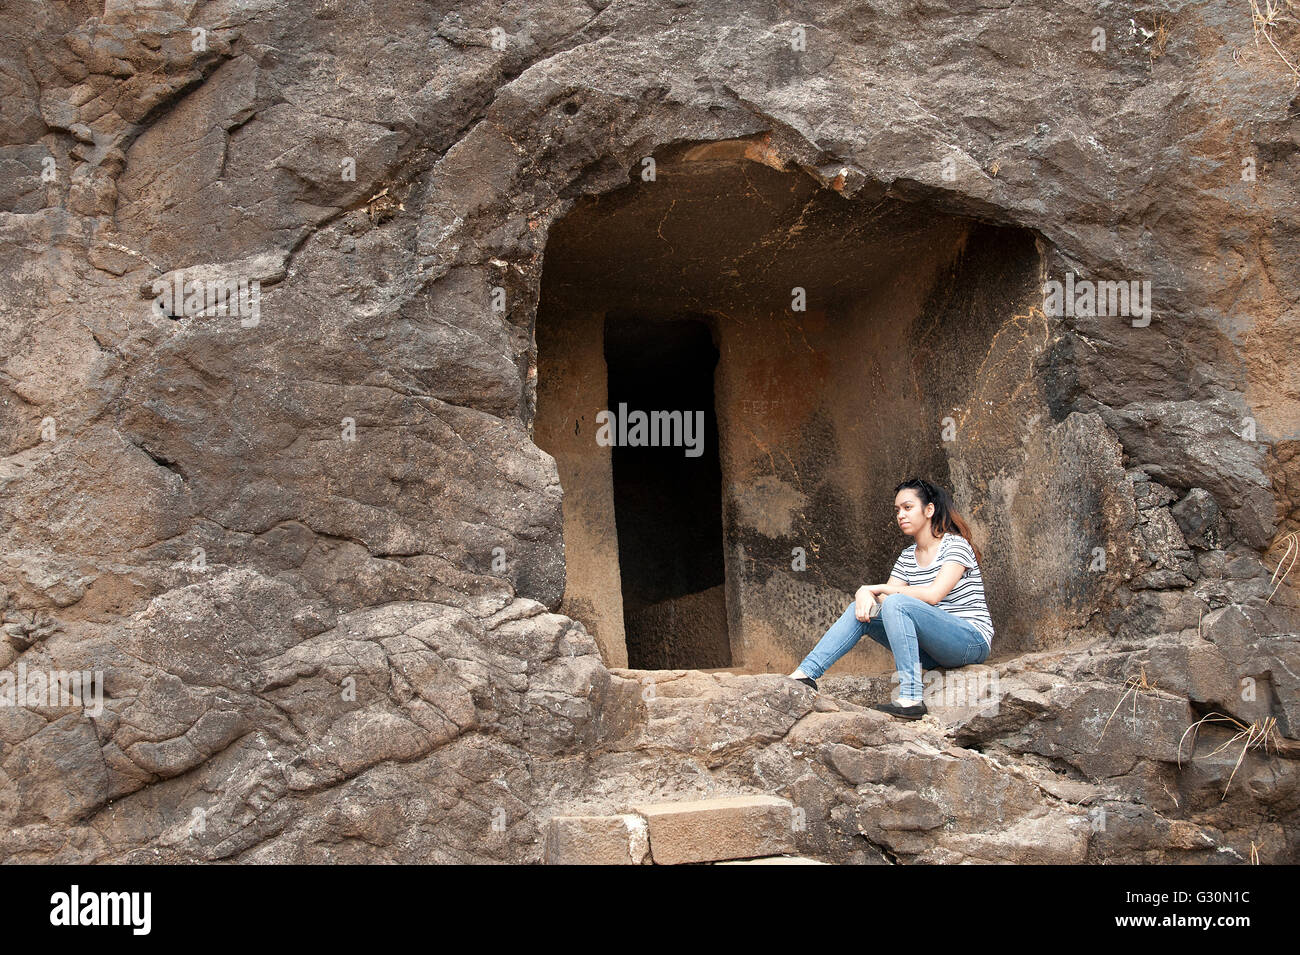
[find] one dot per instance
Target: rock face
(340, 563)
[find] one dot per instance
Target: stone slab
(708, 830)
(596, 840)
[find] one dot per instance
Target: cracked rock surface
(279, 545)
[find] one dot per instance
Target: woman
(931, 612)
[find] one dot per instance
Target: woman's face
(908, 512)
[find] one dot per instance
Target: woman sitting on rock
(930, 614)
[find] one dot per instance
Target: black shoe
(902, 712)
(808, 680)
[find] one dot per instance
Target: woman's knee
(894, 603)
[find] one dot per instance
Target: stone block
(596, 840)
(706, 830)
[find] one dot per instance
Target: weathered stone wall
(571, 390)
(314, 559)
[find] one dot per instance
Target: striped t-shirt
(966, 599)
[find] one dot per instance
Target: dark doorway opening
(667, 498)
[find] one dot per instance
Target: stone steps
(748, 829)
(1064, 756)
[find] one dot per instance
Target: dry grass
(1160, 36)
(1132, 685)
(1290, 552)
(1254, 736)
(1266, 20)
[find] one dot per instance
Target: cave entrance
(667, 491)
(836, 345)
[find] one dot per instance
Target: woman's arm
(931, 593)
(866, 599)
(879, 590)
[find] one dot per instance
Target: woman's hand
(866, 604)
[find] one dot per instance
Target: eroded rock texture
(315, 557)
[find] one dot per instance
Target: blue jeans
(919, 634)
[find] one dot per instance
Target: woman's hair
(945, 519)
